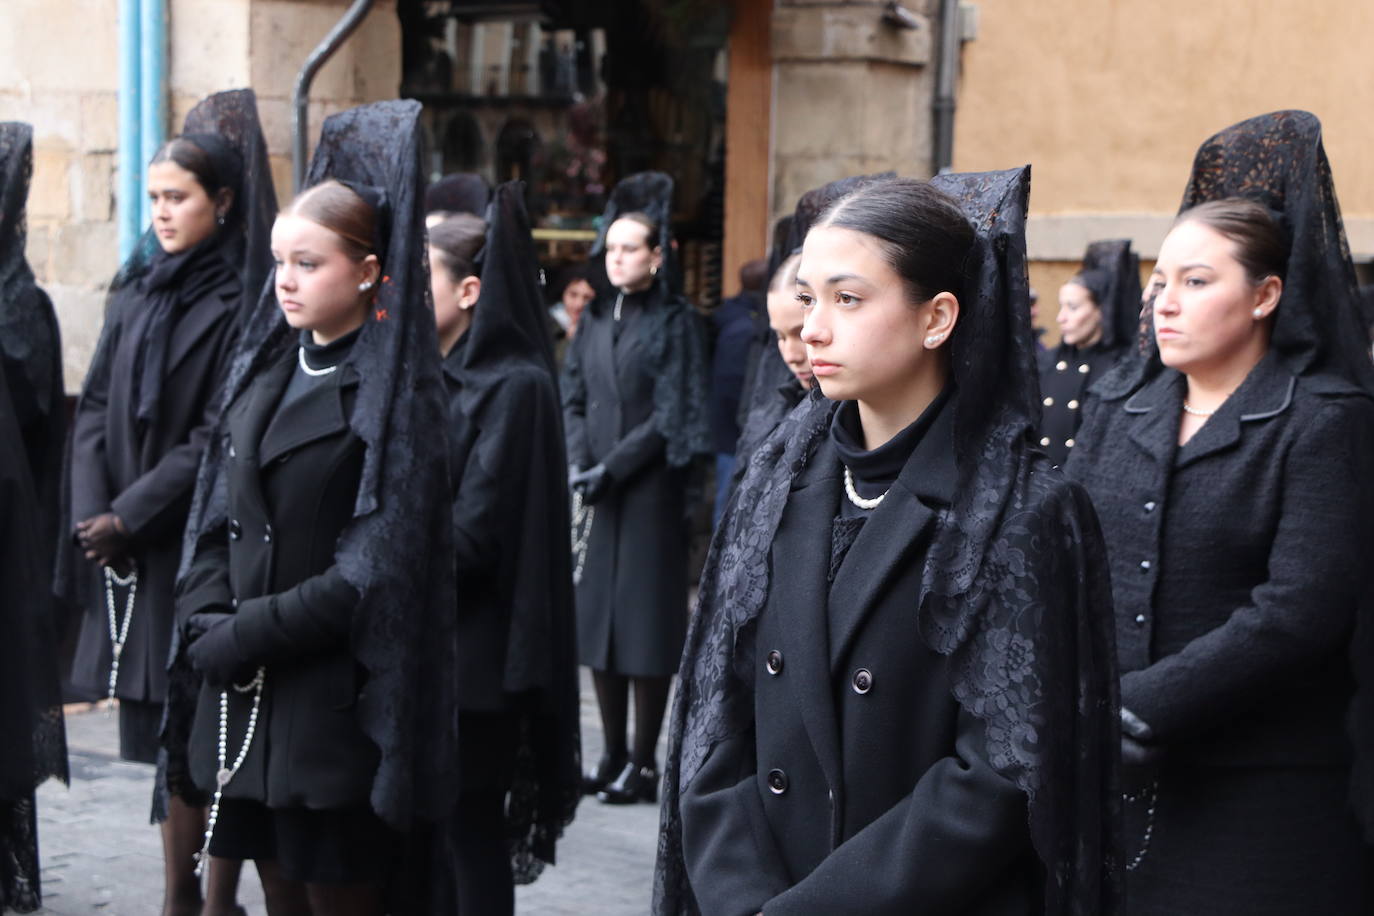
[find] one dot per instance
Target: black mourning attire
(461, 192)
(1111, 273)
(1238, 563)
(148, 404)
(635, 400)
(517, 673)
(907, 709)
(318, 548)
(30, 698)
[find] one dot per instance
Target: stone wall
(59, 71)
(852, 95)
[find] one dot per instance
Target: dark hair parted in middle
(924, 235)
(343, 212)
(645, 220)
(456, 242)
(1261, 247)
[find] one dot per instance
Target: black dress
(1066, 373)
(632, 596)
(1238, 563)
(144, 469)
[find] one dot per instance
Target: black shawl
(509, 391)
(671, 326)
(396, 551)
(1013, 593)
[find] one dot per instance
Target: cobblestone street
(101, 856)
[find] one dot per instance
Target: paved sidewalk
(101, 856)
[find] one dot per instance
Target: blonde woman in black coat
(1230, 476)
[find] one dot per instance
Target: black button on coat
(632, 598)
(144, 473)
(847, 800)
(292, 484)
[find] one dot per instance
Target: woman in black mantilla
(520, 766)
(141, 425)
(635, 412)
(878, 711)
(1230, 470)
(1098, 315)
(30, 431)
(318, 601)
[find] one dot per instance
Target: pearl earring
(934, 339)
(364, 286)
(1258, 313)
(220, 219)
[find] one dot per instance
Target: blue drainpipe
(130, 183)
(152, 89)
(142, 109)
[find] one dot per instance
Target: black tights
(285, 897)
(651, 699)
(481, 859)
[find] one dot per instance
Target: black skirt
(1255, 840)
(348, 846)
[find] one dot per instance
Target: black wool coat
(145, 474)
(632, 598)
(292, 483)
(1237, 561)
(862, 787)
(1066, 373)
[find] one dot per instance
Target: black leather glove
(214, 649)
(593, 483)
(1136, 738)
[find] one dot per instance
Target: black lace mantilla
(1014, 592)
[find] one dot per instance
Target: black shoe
(593, 781)
(634, 784)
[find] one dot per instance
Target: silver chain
(225, 773)
(582, 518)
(119, 630)
(619, 301)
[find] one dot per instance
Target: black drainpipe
(300, 97)
(946, 80)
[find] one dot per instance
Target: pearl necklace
(582, 518)
(226, 773)
(1196, 413)
(854, 496)
(305, 367)
(119, 631)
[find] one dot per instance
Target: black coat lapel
(1266, 392)
(317, 414)
(801, 562)
(194, 325)
(889, 539)
(1154, 412)
(248, 418)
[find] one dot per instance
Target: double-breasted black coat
(862, 787)
(632, 597)
(292, 483)
(1237, 562)
(1066, 374)
(145, 474)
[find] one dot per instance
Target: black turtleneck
(875, 470)
(318, 356)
